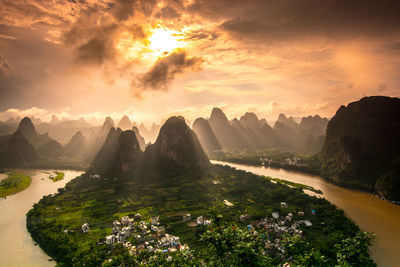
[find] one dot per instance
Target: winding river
(368, 212)
(16, 245)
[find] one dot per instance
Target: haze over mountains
(252, 133)
(361, 148)
(79, 141)
(26, 146)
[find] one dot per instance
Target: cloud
(100, 47)
(280, 20)
(168, 12)
(165, 69)
(9, 81)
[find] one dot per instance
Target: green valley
(55, 222)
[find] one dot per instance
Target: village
(137, 235)
(276, 226)
(291, 161)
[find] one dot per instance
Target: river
(16, 245)
(368, 212)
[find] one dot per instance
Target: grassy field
(56, 176)
(14, 183)
(295, 185)
(97, 202)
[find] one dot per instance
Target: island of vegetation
(169, 206)
(14, 183)
(56, 176)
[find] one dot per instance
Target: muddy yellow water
(16, 245)
(368, 212)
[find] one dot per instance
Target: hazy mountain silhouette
(98, 137)
(140, 138)
(149, 134)
(27, 129)
(51, 150)
(15, 151)
(206, 135)
(125, 123)
(76, 147)
(227, 135)
(252, 133)
(248, 135)
(54, 120)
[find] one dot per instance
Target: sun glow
(163, 41)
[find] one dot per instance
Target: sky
(150, 59)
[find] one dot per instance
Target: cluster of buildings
(277, 225)
(137, 235)
(296, 161)
(199, 220)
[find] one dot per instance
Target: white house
(125, 220)
(307, 223)
(110, 239)
(207, 222)
(200, 220)
(85, 228)
(116, 223)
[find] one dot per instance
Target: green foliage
(302, 253)
(388, 185)
(57, 177)
(229, 244)
(353, 251)
(296, 185)
(100, 201)
(276, 159)
(14, 183)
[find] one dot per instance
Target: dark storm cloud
(28, 12)
(200, 35)
(165, 69)
(168, 12)
(96, 50)
(124, 9)
(6, 75)
(95, 42)
(261, 19)
(9, 83)
(99, 47)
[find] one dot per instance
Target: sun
(164, 41)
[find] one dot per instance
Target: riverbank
(56, 176)
(256, 162)
(14, 183)
(16, 245)
(56, 221)
(369, 212)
